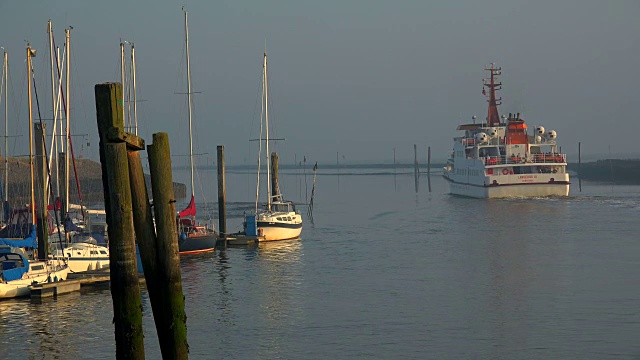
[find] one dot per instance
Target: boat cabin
(12, 264)
(283, 207)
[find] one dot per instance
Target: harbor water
(385, 272)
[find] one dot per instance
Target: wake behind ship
(497, 159)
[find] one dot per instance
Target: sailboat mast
(67, 158)
(186, 40)
(6, 125)
(122, 74)
(29, 78)
(133, 70)
(266, 123)
(53, 103)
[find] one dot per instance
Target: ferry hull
(508, 190)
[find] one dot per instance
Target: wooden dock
(241, 240)
(73, 283)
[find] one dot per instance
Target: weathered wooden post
(125, 289)
(168, 261)
(579, 167)
(42, 223)
(416, 169)
(429, 167)
(65, 180)
(275, 187)
(222, 194)
(429, 160)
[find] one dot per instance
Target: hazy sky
(355, 77)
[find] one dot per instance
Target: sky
(347, 79)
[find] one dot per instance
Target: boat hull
(85, 257)
(22, 287)
(197, 243)
(88, 264)
(506, 190)
(277, 231)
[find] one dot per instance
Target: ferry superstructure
(498, 158)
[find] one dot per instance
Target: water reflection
(259, 293)
(52, 328)
(283, 251)
(515, 267)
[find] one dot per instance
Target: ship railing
(532, 158)
(468, 142)
(548, 158)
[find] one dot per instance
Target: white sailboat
(278, 220)
(17, 273)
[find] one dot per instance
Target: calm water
(385, 272)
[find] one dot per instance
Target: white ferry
(497, 159)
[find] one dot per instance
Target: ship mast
(493, 118)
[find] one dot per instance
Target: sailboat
(278, 220)
(17, 273)
(194, 238)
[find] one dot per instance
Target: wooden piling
(416, 169)
(275, 187)
(42, 222)
(222, 194)
(125, 289)
(429, 168)
(168, 261)
(146, 238)
(579, 167)
(429, 160)
(65, 180)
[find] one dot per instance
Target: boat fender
(505, 171)
(182, 237)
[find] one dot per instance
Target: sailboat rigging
(17, 273)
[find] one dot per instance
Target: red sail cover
(190, 210)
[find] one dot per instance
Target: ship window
(79, 253)
(279, 218)
(103, 252)
(37, 267)
(93, 252)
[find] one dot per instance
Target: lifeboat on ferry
(492, 161)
